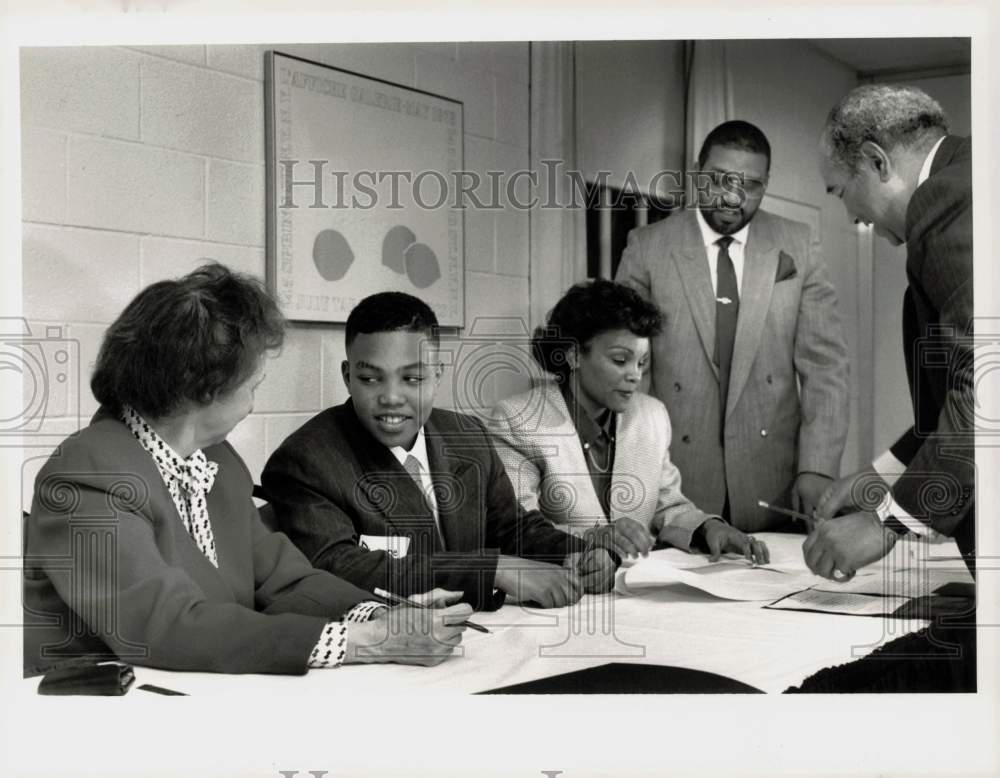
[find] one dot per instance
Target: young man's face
(392, 378)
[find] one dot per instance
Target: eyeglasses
(735, 182)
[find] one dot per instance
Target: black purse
(110, 679)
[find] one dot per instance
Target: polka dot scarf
(188, 481)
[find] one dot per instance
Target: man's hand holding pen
(837, 547)
(595, 567)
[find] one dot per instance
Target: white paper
(728, 579)
(396, 545)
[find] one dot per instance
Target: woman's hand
(409, 636)
(528, 580)
(721, 538)
(624, 536)
(596, 569)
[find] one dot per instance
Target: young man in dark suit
(392, 493)
(887, 154)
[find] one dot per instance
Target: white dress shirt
(737, 250)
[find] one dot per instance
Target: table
(677, 626)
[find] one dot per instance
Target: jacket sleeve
(906, 446)
(144, 607)
(285, 582)
(515, 530)
(317, 511)
(820, 357)
(938, 487)
(523, 470)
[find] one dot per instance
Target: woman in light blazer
(588, 448)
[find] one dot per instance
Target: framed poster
(361, 192)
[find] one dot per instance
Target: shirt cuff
(892, 515)
(363, 611)
(331, 648)
(887, 466)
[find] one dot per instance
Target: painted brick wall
(139, 162)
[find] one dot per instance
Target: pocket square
(786, 267)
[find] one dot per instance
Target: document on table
(727, 579)
(840, 602)
(904, 582)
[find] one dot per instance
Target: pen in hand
(586, 552)
(809, 520)
(395, 599)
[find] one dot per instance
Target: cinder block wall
(139, 162)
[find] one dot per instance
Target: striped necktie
(412, 466)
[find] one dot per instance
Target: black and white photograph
(420, 392)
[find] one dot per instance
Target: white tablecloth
(676, 625)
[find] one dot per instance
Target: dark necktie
(727, 311)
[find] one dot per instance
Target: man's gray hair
(890, 115)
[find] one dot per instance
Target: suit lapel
(692, 266)
(447, 470)
(389, 488)
(945, 153)
(760, 263)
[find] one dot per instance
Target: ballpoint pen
(787, 512)
(810, 522)
(395, 599)
(586, 551)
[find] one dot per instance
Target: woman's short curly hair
(191, 339)
(584, 312)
